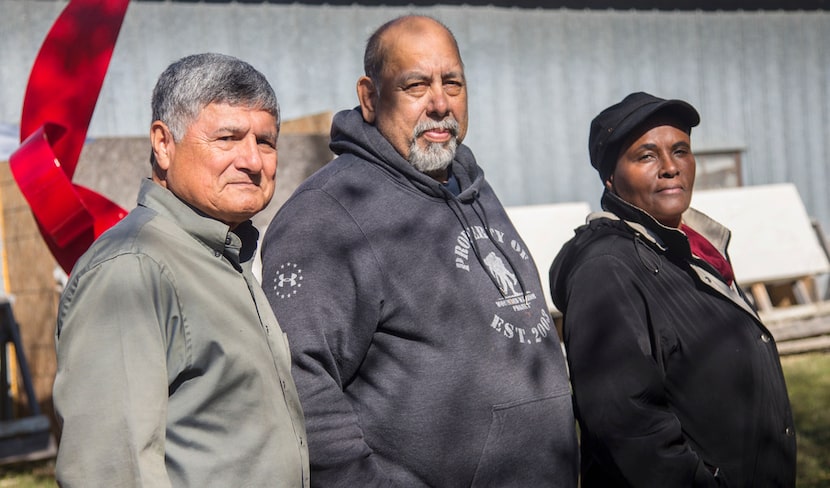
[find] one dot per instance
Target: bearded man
(415, 363)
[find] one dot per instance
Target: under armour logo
(288, 280)
(291, 280)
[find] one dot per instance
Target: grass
(36, 474)
(808, 381)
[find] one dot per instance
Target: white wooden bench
(544, 229)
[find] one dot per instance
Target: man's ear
(368, 97)
(161, 140)
(609, 183)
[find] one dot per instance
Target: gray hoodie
(423, 351)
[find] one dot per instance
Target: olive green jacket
(172, 369)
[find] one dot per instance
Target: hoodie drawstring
(455, 206)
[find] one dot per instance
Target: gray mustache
(450, 125)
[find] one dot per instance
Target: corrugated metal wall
(536, 78)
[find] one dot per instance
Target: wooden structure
(29, 279)
(780, 259)
(23, 435)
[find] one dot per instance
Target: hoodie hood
(350, 134)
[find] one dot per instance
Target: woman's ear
(367, 94)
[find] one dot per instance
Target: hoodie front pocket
(530, 443)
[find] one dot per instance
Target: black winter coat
(676, 381)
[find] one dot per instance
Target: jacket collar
(238, 245)
(673, 241)
(660, 235)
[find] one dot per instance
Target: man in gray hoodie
(423, 351)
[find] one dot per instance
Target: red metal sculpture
(60, 98)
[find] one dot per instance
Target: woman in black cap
(676, 381)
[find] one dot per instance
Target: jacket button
(789, 432)
(228, 241)
(765, 337)
(217, 253)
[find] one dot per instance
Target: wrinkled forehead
(419, 40)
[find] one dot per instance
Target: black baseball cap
(614, 124)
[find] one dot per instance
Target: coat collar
(238, 246)
(674, 241)
(665, 238)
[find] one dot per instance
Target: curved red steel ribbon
(63, 89)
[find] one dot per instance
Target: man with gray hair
(424, 352)
(172, 369)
